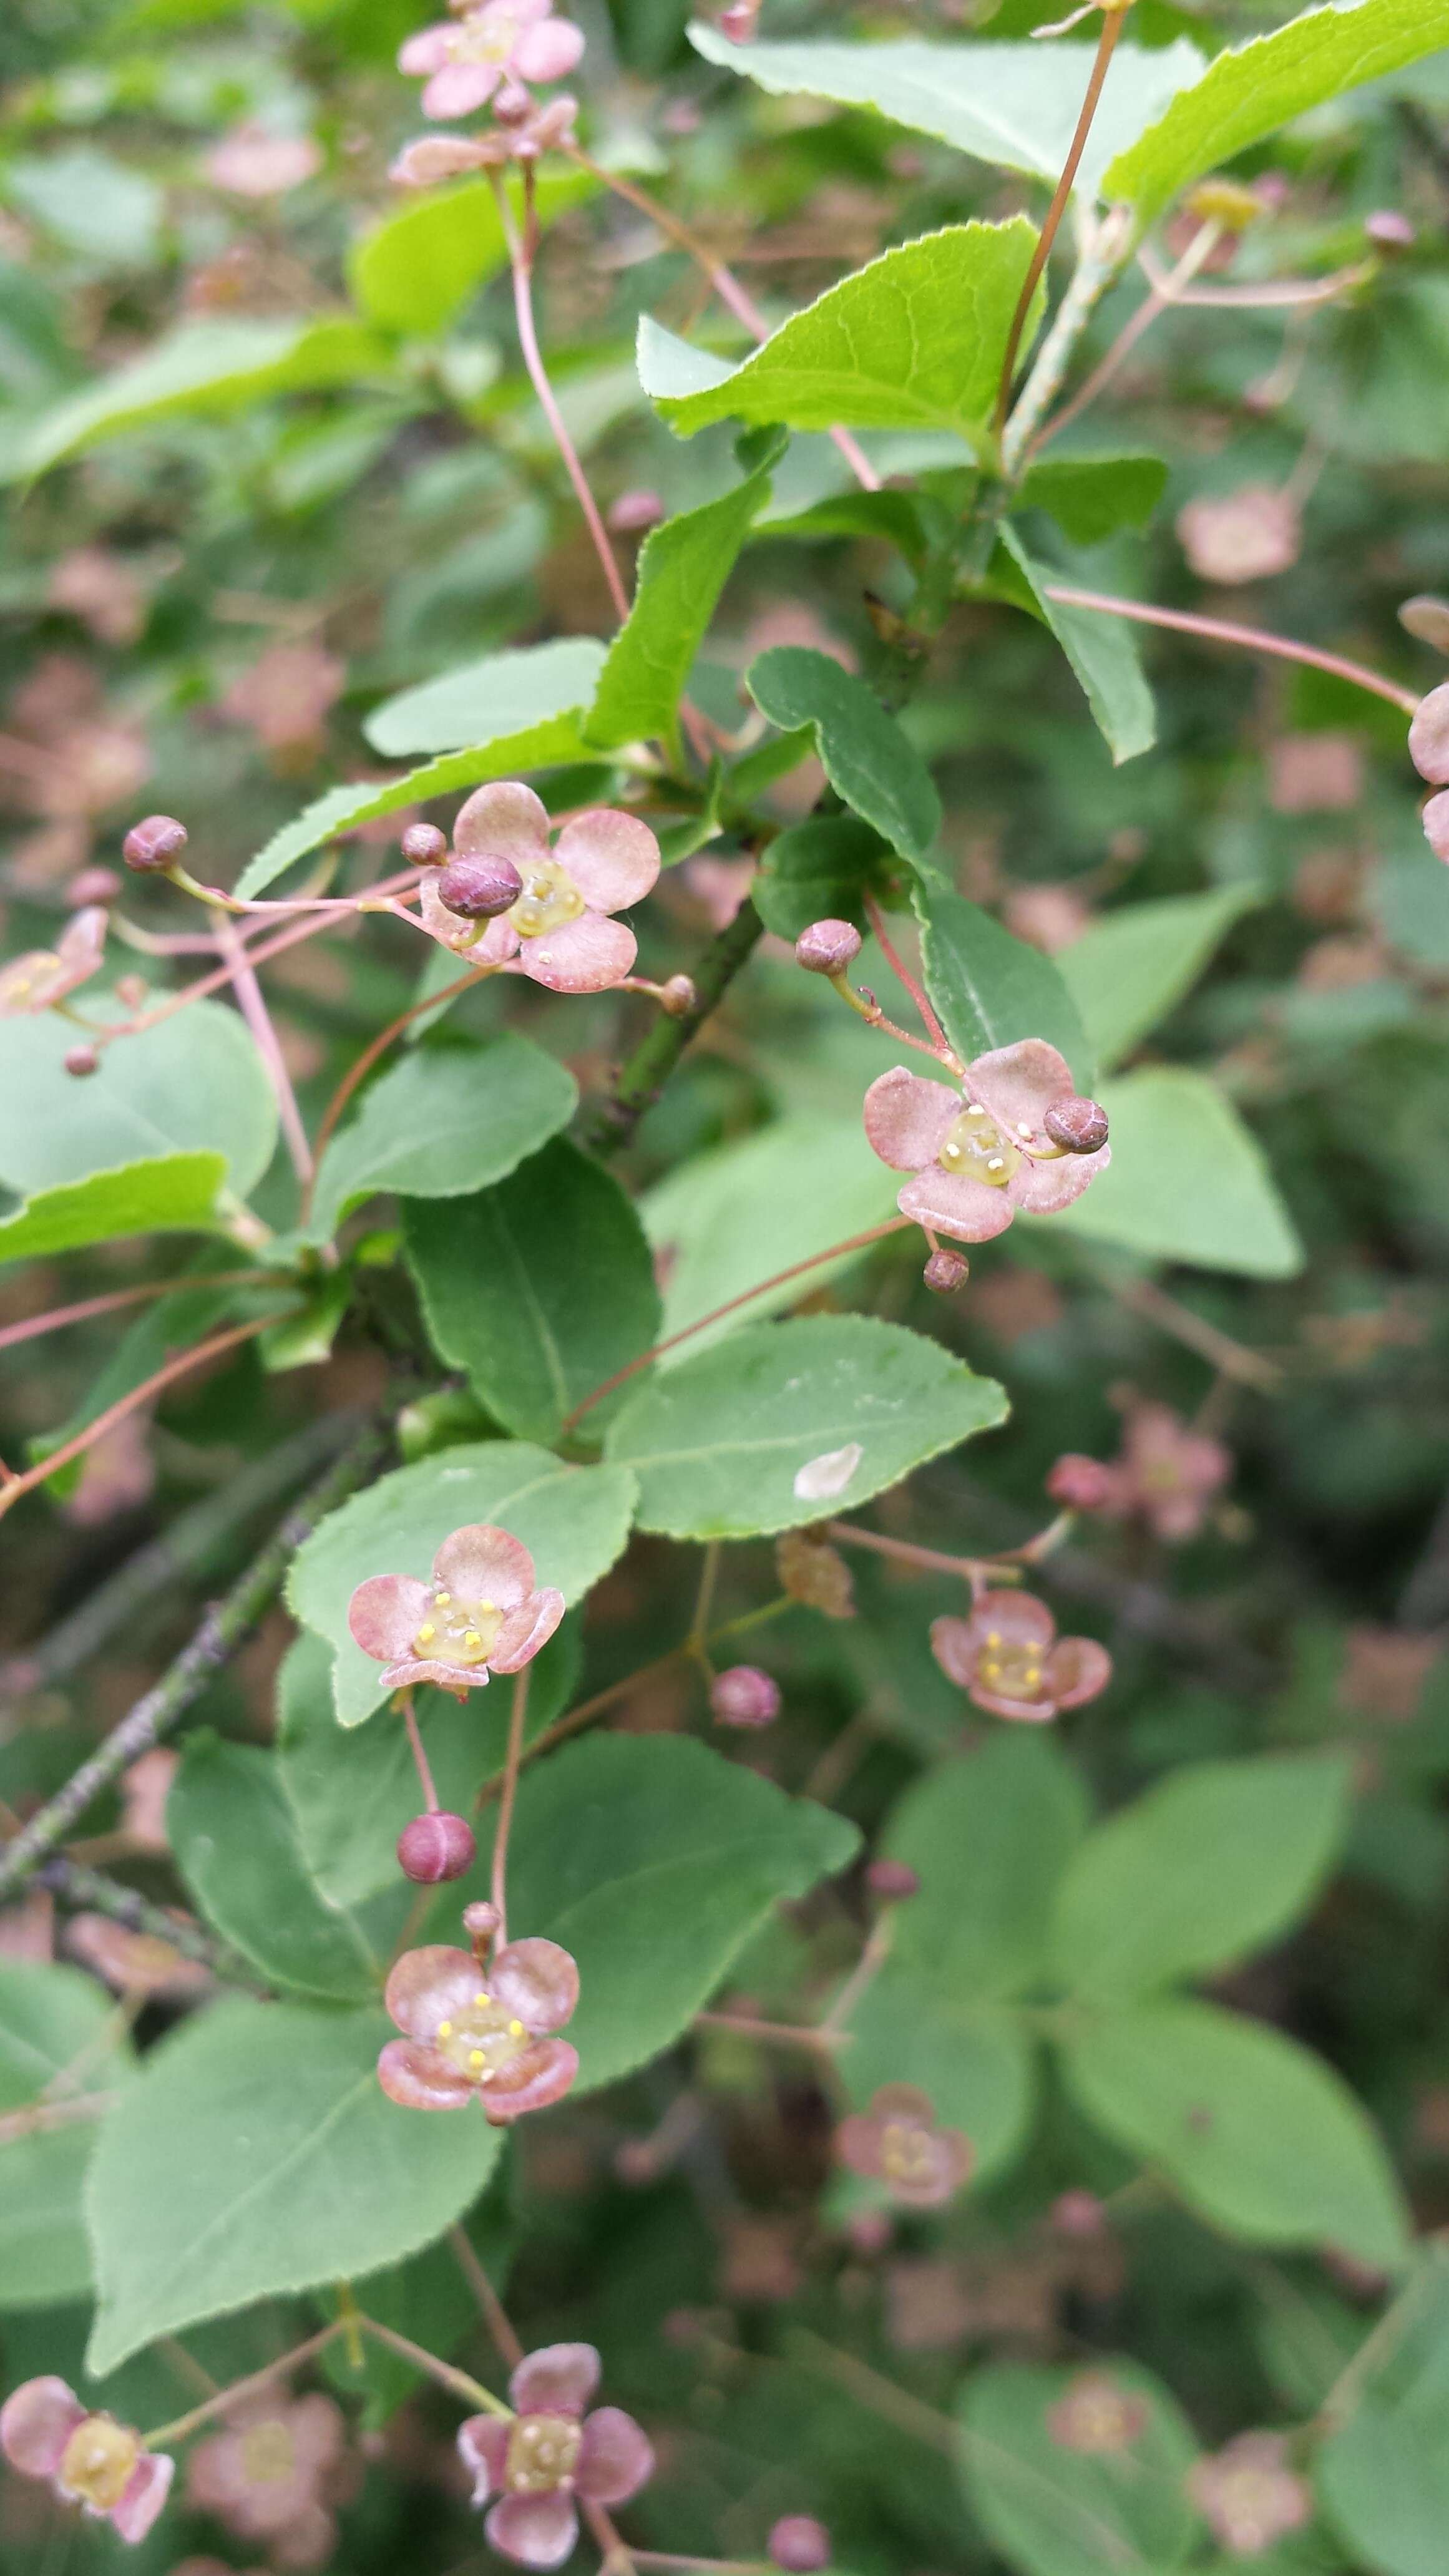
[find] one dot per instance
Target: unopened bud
(678, 996)
(82, 1060)
(813, 1572)
(800, 2543)
(1428, 619)
(1429, 737)
(945, 1272)
(436, 1847)
(93, 885)
(1080, 1484)
(1390, 231)
(744, 1696)
(1078, 2213)
(827, 947)
(635, 511)
(893, 1879)
(424, 846)
(480, 1922)
(869, 2231)
(479, 888)
(1079, 1126)
(132, 990)
(434, 157)
(1435, 819)
(740, 21)
(155, 843)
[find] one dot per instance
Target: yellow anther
(471, 1637)
(995, 1164)
(426, 1633)
(1023, 1127)
(516, 2030)
(482, 1999)
(445, 2030)
(475, 2056)
(994, 1638)
(443, 1599)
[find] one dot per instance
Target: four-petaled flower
(272, 2474)
(1095, 2417)
(551, 2452)
(559, 929)
(1164, 1474)
(982, 1154)
(44, 976)
(485, 2033)
(497, 48)
(1248, 2495)
(90, 2460)
(898, 2142)
(481, 1613)
(1008, 1658)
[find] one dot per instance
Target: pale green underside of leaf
(1053, 2511)
(191, 1085)
(174, 1194)
(1132, 967)
(914, 340)
(58, 2036)
(444, 1121)
(1187, 1181)
(1252, 90)
(417, 268)
(498, 697)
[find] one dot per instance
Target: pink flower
(90, 2460)
(272, 2474)
(551, 2452)
(465, 60)
(897, 2142)
(252, 162)
(1008, 1658)
(481, 1613)
(559, 930)
(1095, 2416)
(471, 2030)
(1169, 1474)
(1241, 536)
(981, 1154)
(44, 976)
(1248, 2495)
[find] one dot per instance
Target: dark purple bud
(827, 947)
(744, 1696)
(945, 1272)
(1079, 1126)
(424, 846)
(155, 843)
(1079, 1483)
(479, 888)
(634, 511)
(436, 1847)
(1390, 231)
(893, 1879)
(800, 2543)
(678, 996)
(93, 885)
(82, 1059)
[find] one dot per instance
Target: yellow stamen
(475, 2056)
(471, 1637)
(426, 1633)
(516, 2030)
(445, 2030)
(442, 1599)
(482, 1999)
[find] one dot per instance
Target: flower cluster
(1017, 1138)
(506, 897)
(1096, 2418)
(1008, 1658)
(481, 1613)
(551, 2452)
(90, 2460)
(1164, 1475)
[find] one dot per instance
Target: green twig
(654, 1059)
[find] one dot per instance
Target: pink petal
(1042, 1188)
(1016, 1617)
(411, 1671)
(545, 53)
(36, 2423)
(526, 1629)
(1019, 1083)
(422, 164)
(385, 1614)
(1076, 1670)
(904, 2102)
(541, 2075)
(1435, 819)
(1031, 1712)
(481, 1563)
(558, 2379)
(537, 1982)
(585, 956)
(147, 2488)
(503, 820)
(318, 2432)
(437, 920)
(499, 942)
(956, 1646)
(420, 2079)
(613, 858)
(483, 2446)
(83, 940)
(615, 2457)
(907, 1118)
(431, 1985)
(857, 2143)
(537, 2530)
(1429, 736)
(971, 1211)
(952, 2158)
(460, 87)
(427, 51)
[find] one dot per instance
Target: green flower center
(458, 1632)
(97, 2462)
(480, 2039)
(542, 2450)
(906, 2154)
(978, 1149)
(1011, 1666)
(549, 899)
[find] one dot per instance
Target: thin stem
(1164, 292)
(258, 1018)
(516, 1719)
(520, 260)
(377, 898)
(881, 2395)
(788, 2034)
(867, 1968)
(424, 1768)
(655, 1058)
(704, 1601)
(929, 1559)
(359, 1071)
(457, 2382)
(181, 2425)
(490, 2306)
(37, 2118)
(115, 1299)
(1255, 639)
(906, 979)
(1113, 14)
(1247, 1368)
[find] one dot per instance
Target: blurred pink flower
(44, 976)
(1095, 2417)
(1315, 773)
(982, 1154)
(286, 696)
(552, 2451)
(559, 930)
(1008, 1658)
(481, 1613)
(1247, 535)
(431, 158)
(898, 2142)
(100, 589)
(465, 61)
(1050, 916)
(252, 162)
(145, 1789)
(1248, 2495)
(134, 1963)
(90, 2460)
(1169, 1474)
(272, 2475)
(472, 2032)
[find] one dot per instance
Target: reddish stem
(116, 1298)
(1221, 630)
(379, 1046)
(258, 1018)
(904, 976)
(424, 1768)
(139, 1395)
(520, 258)
(1113, 14)
(516, 1717)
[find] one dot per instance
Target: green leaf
(414, 271)
(546, 745)
(784, 1423)
(446, 1120)
(1383, 2476)
(1187, 1181)
(1207, 1867)
(989, 988)
(210, 366)
(1053, 2511)
(175, 1194)
(540, 1288)
(58, 2036)
(654, 1861)
(869, 760)
(503, 696)
(683, 567)
(1014, 105)
(1090, 497)
(1251, 90)
(819, 871)
(1258, 2136)
(110, 213)
(910, 521)
(915, 340)
(239, 1849)
(724, 1221)
(573, 1520)
(192, 1085)
(1133, 966)
(257, 2153)
(1104, 653)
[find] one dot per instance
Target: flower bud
(869, 2231)
(1429, 737)
(436, 1847)
(1390, 231)
(812, 1571)
(1079, 1126)
(434, 157)
(479, 888)
(744, 1696)
(480, 1922)
(424, 846)
(82, 1059)
(1435, 819)
(93, 885)
(1080, 1484)
(827, 947)
(678, 996)
(893, 1879)
(1078, 2213)
(1428, 619)
(798, 2541)
(155, 843)
(132, 990)
(635, 511)
(945, 1272)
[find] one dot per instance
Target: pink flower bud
(635, 511)
(424, 846)
(434, 157)
(1435, 819)
(479, 888)
(82, 1060)
(132, 990)
(480, 1922)
(1080, 1484)
(1429, 737)
(798, 2541)
(739, 23)
(945, 1272)
(436, 1847)
(894, 1879)
(827, 947)
(1078, 2213)
(678, 997)
(1390, 231)
(869, 2230)
(1079, 1126)
(744, 1696)
(154, 843)
(93, 885)
(1428, 619)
